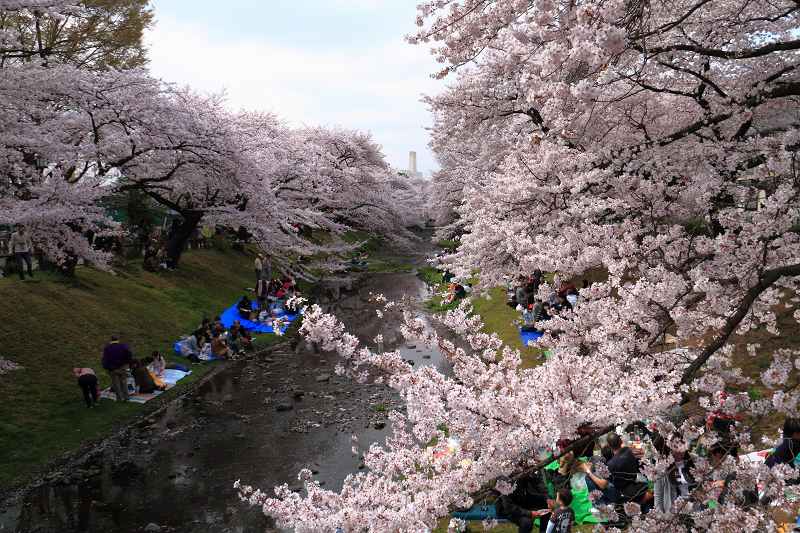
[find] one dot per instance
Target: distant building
(412, 171)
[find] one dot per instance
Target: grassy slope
(54, 325)
(497, 316)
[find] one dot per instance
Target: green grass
(430, 275)
(52, 325)
(448, 244)
(499, 318)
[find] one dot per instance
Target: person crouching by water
(87, 381)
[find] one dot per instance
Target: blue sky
(315, 62)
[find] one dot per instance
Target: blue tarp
(527, 336)
(232, 313)
(478, 512)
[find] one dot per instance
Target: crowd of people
(212, 340)
(524, 296)
(127, 373)
(609, 471)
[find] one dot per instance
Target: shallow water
(178, 469)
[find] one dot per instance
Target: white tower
(412, 165)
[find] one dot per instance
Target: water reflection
(177, 469)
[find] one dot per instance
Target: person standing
(21, 248)
(266, 268)
(87, 381)
(116, 359)
(259, 266)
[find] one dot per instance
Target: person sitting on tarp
(572, 298)
(567, 287)
(541, 312)
(238, 338)
(559, 478)
(594, 481)
(203, 333)
(245, 307)
(217, 327)
(456, 291)
(532, 285)
(789, 448)
(562, 304)
(529, 320)
(624, 467)
(158, 364)
(191, 346)
(219, 348)
(145, 383)
(289, 287)
(519, 507)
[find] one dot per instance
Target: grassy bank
(52, 325)
(497, 316)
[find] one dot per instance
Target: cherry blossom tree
(73, 136)
(94, 34)
(650, 145)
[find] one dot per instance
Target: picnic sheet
(171, 377)
(232, 313)
(529, 337)
(177, 348)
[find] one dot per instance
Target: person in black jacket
(789, 447)
(624, 468)
(529, 495)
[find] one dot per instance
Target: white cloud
(376, 88)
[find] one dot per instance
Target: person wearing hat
(20, 247)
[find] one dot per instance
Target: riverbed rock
(379, 424)
(323, 378)
(284, 405)
(152, 528)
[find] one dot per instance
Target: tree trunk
(180, 234)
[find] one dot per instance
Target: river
(259, 420)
